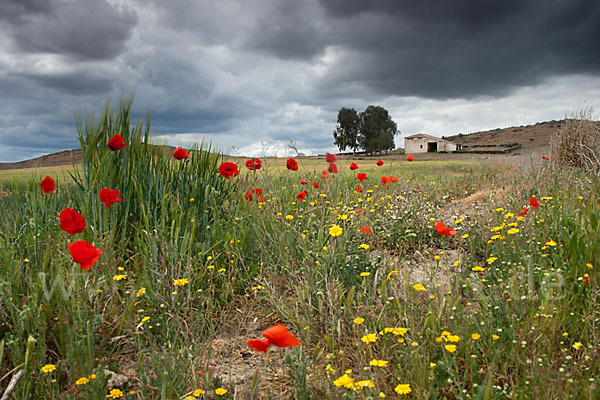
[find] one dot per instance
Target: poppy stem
(266, 361)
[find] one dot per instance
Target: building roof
(426, 136)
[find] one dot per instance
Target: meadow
(384, 302)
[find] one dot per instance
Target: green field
(383, 305)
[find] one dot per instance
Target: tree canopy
(347, 131)
(371, 130)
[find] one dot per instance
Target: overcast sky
(249, 75)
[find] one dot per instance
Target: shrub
(577, 143)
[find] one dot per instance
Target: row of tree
(371, 130)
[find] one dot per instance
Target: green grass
(60, 173)
(251, 264)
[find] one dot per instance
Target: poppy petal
(71, 221)
(48, 185)
(280, 336)
(84, 253)
(260, 345)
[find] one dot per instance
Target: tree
(377, 130)
(347, 131)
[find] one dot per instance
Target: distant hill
(530, 137)
(66, 157)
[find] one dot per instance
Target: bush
(577, 143)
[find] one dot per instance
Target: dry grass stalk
(577, 143)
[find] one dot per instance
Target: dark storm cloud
(92, 30)
(290, 30)
(81, 82)
(442, 49)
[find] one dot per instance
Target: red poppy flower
(302, 195)
(71, 221)
(109, 196)
(385, 180)
(291, 164)
(258, 191)
(410, 158)
(84, 253)
(379, 163)
(228, 169)
(253, 164)
(280, 336)
(333, 168)
(394, 179)
(545, 158)
(353, 166)
(248, 195)
(441, 228)
(524, 211)
(303, 182)
(534, 203)
(47, 184)
(330, 157)
(367, 230)
(359, 189)
(361, 176)
(260, 345)
(180, 153)
(324, 174)
(316, 185)
(116, 142)
(359, 211)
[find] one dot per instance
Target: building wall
(417, 145)
(446, 146)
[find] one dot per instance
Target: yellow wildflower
(378, 363)
(403, 388)
(344, 380)
(450, 347)
(115, 394)
(82, 381)
(370, 338)
(48, 368)
(365, 383)
(419, 287)
(335, 230)
(395, 272)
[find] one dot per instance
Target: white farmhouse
(423, 143)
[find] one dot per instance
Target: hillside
(530, 137)
(66, 157)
